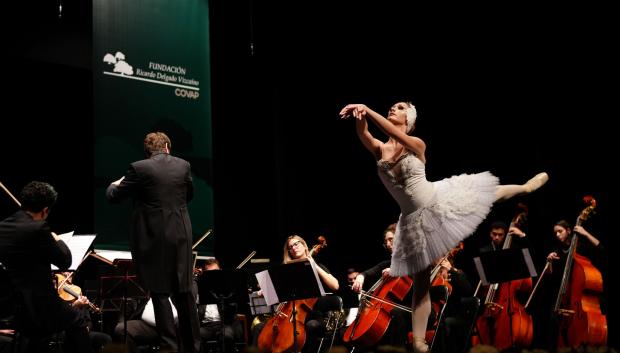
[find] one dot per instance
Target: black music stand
(124, 287)
(290, 282)
(504, 265)
(221, 287)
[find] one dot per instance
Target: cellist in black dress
(311, 312)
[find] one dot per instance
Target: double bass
(578, 305)
(504, 323)
(284, 332)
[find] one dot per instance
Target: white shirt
(148, 315)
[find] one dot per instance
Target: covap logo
(158, 73)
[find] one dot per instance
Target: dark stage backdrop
(151, 73)
(514, 89)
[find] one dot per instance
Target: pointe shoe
(420, 345)
(536, 182)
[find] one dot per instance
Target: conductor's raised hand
(358, 111)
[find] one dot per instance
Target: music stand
(505, 265)
(124, 286)
(291, 282)
(221, 287)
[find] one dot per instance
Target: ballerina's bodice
(406, 180)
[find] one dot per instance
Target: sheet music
(112, 255)
(78, 245)
(66, 237)
(266, 286)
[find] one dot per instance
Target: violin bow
(11, 195)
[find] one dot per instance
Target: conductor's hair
(156, 142)
(37, 195)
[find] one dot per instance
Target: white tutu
(435, 216)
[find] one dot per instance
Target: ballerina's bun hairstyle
(412, 115)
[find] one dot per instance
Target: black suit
(27, 250)
(161, 241)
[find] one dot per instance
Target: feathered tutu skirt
(459, 204)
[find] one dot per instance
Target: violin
(281, 333)
(70, 292)
(578, 304)
(439, 275)
(504, 322)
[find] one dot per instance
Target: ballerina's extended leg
(504, 192)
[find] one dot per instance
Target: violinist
(296, 248)
(28, 248)
(396, 333)
(459, 312)
(83, 306)
(589, 247)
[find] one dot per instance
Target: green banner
(151, 73)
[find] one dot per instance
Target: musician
(497, 235)
(588, 246)
(592, 248)
(396, 334)
(141, 327)
(459, 312)
(349, 297)
(491, 327)
(211, 316)
(98, 339)
(296, 248)
(28, 248)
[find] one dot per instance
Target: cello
(374, 314)
(577, 305)
(504, 322)
(284, 332)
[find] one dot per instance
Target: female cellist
(277, 333)
(577, 305)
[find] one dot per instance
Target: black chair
(333, 321)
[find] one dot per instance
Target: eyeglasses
(290, 247)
